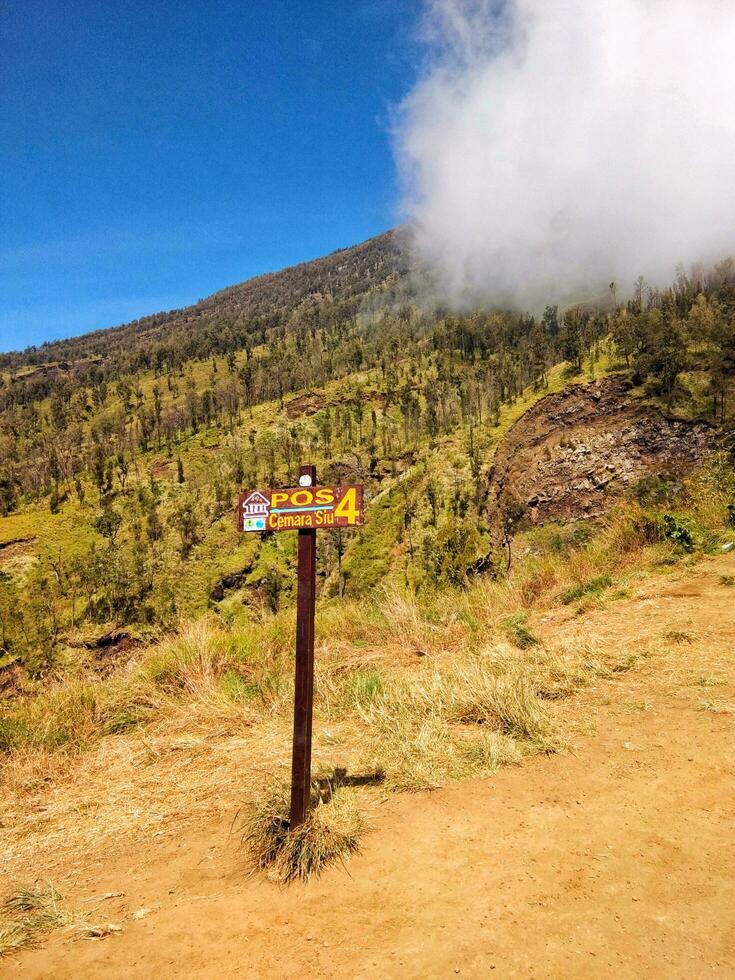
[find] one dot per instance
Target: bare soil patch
(15, 548)
(309, 403)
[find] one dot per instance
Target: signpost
(300, 508)
(304, 508)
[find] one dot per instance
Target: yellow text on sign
(302, 497)
(347, 507)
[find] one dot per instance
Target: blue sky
(154, 152)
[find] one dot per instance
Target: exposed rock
(111, 648)
(56, 370)
(229, 582)
(575, 452)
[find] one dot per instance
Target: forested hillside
(121, 452)
(264, 309)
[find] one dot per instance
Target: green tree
(108, 524)
(449, 554)
(186, 520)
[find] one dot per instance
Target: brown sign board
(300, 508)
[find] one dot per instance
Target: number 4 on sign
(347, 506)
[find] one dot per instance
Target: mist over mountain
(552, 146)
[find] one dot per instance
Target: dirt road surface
(616, 859)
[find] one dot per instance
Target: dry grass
(209, 677)
(330, 833)
(29, 913)
(679, 636)
(461, 719)
(423, 722)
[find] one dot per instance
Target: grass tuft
(330, 833)
(488, 751)
(421, 725)
(592, 587)
(13, 936)
(519, 632)
(416, 752)
(27, 914)
(503, 699)
(678, 636)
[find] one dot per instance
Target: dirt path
(617, 860)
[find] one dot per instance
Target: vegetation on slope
(131, 611)
(374, 650)
(118, 496)
(261, 310)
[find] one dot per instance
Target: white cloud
(554, 145)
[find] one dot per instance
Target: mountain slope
(146, 647)
(119, 470)
(239, 314)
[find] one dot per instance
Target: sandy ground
(615, 860)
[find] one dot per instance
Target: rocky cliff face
(574, 452)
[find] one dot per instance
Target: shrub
(448, 555)
(679, 531)
(652, 490)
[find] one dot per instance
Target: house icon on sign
(254, 511)
(256, 505)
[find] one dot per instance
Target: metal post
(304, 686)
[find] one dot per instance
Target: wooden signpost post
(304, 509)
